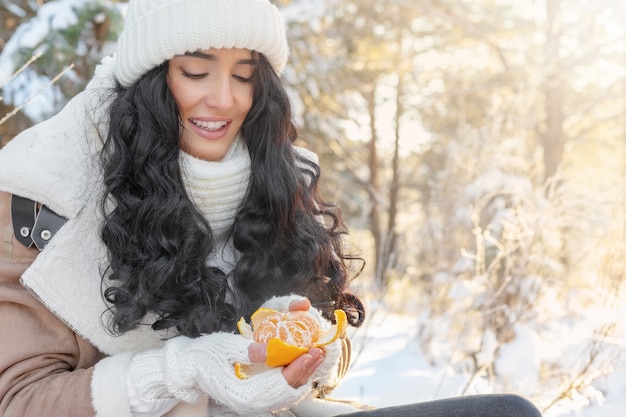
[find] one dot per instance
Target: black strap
(24, 213)
(32, 226)
(47, 225)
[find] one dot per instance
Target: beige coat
(45, 368)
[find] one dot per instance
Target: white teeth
(209, 125)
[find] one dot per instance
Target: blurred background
(477, 149)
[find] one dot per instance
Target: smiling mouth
(209, 125)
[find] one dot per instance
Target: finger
(300, 305)
(298, 372)
(318, 352)
(257, 352)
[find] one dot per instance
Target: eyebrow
(211, 57)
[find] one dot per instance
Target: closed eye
(193, 76)
(242, 78)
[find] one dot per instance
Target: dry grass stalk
(29, 99)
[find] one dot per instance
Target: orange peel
(241, 374)
(288, 334)
(281, 353)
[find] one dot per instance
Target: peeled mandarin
(288, 334)
(297, 328)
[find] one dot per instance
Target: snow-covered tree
(60, 34)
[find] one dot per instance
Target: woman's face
(213, 91)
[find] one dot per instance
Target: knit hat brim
(158, 30)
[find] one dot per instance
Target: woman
(158, 207)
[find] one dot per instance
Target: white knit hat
(158, 30)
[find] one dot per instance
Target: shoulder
(50, 162)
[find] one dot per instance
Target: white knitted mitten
(326, 373)
(185, 367)
(281, 303)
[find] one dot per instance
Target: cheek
(248, 105)
(245, 95)
(183, 95)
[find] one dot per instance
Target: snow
(518, 363)
(54, 15)
(26, 85)
(388, 368)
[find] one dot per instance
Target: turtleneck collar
(217, 188)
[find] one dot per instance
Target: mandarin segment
(261, 313)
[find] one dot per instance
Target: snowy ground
(389, 369)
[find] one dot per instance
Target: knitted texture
(217, 188)
(184, 367)
(158, 30)
(281, 303)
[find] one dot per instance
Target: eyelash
(193, 76)
(202, 75)
(242, 79)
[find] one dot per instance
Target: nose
(220, 96)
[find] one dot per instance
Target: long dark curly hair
(158, 242)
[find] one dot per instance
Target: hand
(298, 372)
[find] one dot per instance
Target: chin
(206, 154)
